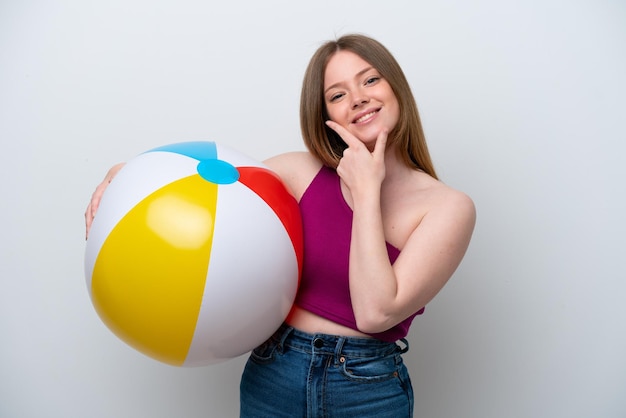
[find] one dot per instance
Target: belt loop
(339, 347)
(406, 346)
(286, 330)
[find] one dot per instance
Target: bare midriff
(311, 323)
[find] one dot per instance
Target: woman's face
(358, 98)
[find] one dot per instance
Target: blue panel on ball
(199, 150)
(218, 171)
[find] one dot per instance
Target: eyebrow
(357, 75)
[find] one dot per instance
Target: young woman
(382, 237)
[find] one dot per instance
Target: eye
(335, 97)
(372, 80)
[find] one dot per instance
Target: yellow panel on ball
(132, 286)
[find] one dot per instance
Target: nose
(359, 99)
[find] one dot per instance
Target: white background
(523, 104)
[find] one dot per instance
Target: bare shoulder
(420, 206)
(450, 205)
(296, 170)
(450, 197)
(292, 160)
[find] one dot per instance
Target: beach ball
(195, 253)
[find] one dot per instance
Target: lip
(366, 112)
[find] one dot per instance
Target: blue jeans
(296, 374)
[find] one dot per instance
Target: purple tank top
(324, 288)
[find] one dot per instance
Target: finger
(88, 220)
(92, 208)
(347, 137)
(381, 144)
(95, 202)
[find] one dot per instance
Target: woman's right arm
(92, 208)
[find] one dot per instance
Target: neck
(394, 166)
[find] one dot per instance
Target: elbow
(373, 322)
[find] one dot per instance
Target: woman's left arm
(383, 294)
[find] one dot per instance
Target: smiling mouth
(365, 117)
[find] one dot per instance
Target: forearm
(373, 285)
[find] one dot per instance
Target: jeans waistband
(289, 336)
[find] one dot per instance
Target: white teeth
(362, 118)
